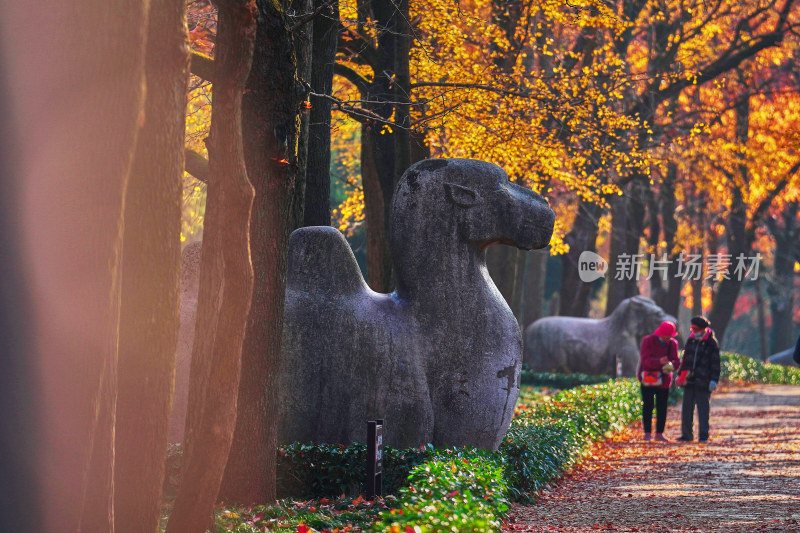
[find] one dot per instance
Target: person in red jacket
(658, 358)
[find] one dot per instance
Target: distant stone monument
(593, 346)
(783, 358)
(438, 359)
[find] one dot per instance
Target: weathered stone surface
(783, 358)
(439, 358)
(593, 346)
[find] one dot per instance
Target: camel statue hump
(322, 263)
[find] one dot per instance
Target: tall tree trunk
(302, 37)
(502, 264)
(381, 91)
(519, 284)
(762, 321)
(574, 295)
(536, 270)
(402, 87)
(151, 276)
(781, 291)
(226, 279)
(71, 167)
(627, 227)
(618, 246)
(379, 260)
(271, 121)
(672, 299)
(318, 175)
(739, 239)
(20, 390)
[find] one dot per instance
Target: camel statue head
(439, 201)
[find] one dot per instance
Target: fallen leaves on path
(745, 479)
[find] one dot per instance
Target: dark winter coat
(704, 349)
(651, 353)
(796, 355)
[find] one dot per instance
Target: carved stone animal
(593, 346)
(783, 358)
(438, 359)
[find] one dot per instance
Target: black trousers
(657, 396)
(695, 397)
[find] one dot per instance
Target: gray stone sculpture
(439, 358)
(593, 346)
(783, 358)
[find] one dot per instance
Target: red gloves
(681, 381)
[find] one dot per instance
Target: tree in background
(271, 110)
(226, 278)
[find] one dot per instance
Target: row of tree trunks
(150, 276)
(226, 279)
(271, 129)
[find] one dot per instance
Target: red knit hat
(666, 329)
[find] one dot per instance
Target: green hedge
(317, 470)
(555, 380)
(742, 368)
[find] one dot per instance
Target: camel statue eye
(460, 195)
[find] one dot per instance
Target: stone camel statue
(439, 358)
(593, 346)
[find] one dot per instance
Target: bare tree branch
(311, 16)
(202, 66)
(196, 165)
(361, 83)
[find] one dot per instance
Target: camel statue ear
(460, 195)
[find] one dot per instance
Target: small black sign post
(374, 458)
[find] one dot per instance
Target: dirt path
(745, 479)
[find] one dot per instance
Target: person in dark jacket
(658, 357)
(698, 375)
(796, 354)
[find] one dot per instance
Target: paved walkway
(745, 479)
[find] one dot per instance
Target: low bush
(464, 492)
(742, 368)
